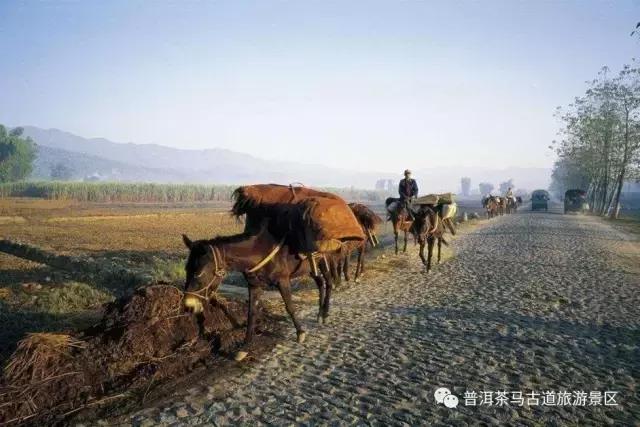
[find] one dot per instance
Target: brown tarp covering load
(311, 220)
(326, 223)
(265, 196)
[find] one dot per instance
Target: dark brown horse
(400, 219)
(511, 205)
(263, 260)
(428, 227)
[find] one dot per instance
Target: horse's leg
(347, 274)
(327, 294)
(360, 266)
(439, 248)
(429, 252)
(254, 299)
(395, 234)
(424, 261)
(284, 285)
(321, 292)
(405, 242)
(333, 268)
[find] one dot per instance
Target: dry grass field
(41, 291)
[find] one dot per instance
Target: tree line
(599, 142)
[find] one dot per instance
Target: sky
(360, 85)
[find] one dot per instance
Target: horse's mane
(225, 240)
(365, 216)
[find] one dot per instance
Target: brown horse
(263, 260)
(511, 205)
(369, 221)
(490, 203)
(502, 205)
(428, 227)
(400, 219)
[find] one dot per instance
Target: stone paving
(532, 302)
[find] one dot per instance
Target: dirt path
(531, 302)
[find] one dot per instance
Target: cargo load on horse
(309, 220)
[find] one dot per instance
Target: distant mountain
(156, 163)
(84, 165)
(178, 165)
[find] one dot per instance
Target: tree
(485, 188)
(61, 172)
(600, 140)
(16, 155)
(465, 183)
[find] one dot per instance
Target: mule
(400, 219)
(263, 260)
(427, 228)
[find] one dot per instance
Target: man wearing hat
(408, 189)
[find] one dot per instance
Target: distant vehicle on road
(575, 201)
(540, 200)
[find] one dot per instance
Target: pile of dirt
(141, 340)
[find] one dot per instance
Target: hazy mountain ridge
(157, 163)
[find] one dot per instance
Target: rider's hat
(407, 171)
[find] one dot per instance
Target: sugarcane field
(359, 213)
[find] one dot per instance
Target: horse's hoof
(301, 337)
(325, 320)
(240, 355)
(320, 319)
(356, 281)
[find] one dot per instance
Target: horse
(400, 219)
(491, 206)
(368, 220)
(511, 205)
(263, 260)
(502, 205)
(428, 227)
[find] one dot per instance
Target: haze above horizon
(364, 86)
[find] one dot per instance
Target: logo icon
(444, 397)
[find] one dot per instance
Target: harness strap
(268, 258)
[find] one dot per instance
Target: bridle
(218, 272)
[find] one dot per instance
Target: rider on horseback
(509, 195)
(408, 190)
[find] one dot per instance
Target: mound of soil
(142, 339)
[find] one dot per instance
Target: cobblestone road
(531, 302)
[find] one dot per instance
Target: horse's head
(204, 273)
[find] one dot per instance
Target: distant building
(384, 185)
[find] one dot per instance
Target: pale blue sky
(364, 85)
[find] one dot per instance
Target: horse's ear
(187, 242)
